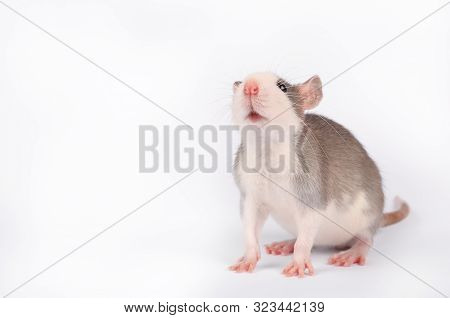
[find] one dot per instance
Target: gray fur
(338, 165)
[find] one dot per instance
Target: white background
(69, 141)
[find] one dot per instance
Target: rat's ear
(310, 92)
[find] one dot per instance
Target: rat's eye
(237, 83)
(282, 86)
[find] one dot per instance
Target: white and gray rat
(331, 194)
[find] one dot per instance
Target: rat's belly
(337, 225)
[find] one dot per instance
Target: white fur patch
(344, 223)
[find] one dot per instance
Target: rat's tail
(396, 216)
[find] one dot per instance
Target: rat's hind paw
(348, 258)
(280, 248)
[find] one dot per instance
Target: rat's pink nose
(251, 88)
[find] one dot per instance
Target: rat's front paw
(299, 269)
(245, 264)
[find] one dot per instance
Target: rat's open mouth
(254, 116)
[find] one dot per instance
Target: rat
(329, 192)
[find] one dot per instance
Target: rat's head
(264, 97)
